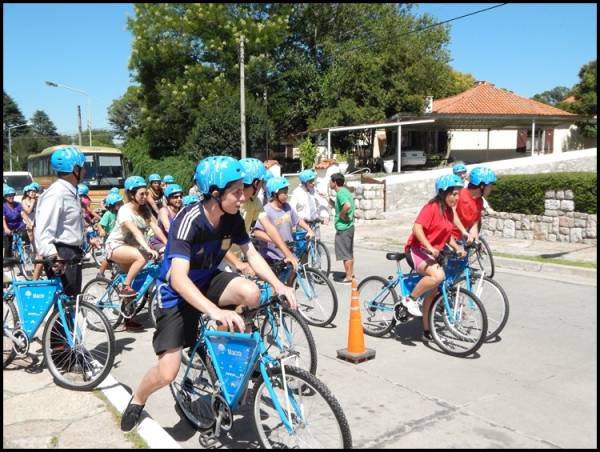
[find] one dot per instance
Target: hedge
(525, 193)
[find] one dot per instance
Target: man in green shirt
(344, 226)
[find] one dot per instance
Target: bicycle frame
(142, 282)
(249, 350)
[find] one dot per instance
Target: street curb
(540, 267)
(154, 435)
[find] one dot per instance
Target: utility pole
(266, 123)
(242, 97)
(79, 122)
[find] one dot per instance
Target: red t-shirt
(468, 210)
(437, 226)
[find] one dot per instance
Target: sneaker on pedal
(412, 306)
(127, 292)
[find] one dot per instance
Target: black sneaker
(131, 416)
(426, 336)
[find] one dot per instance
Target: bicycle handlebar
(275, 299)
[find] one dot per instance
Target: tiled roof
(485, 99)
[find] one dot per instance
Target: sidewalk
(38, 414)
(391, 234)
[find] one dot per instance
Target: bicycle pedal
(208, 439)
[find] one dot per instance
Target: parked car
(412, 157)
(17, 180)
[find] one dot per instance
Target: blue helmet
(268, 175)
(307, 175)
(35, 186)
(29, 187)
(7, 190)
(112, 199)
(448, 181)
(276, 184)
(190, 199)
(168, 179)
(482, 175)
(83, 189)
(133, 182)
(254, 169)
(65, 159)
(114, 190)
(217, 171)
(459, 168)
(172, 189)
(154, 178)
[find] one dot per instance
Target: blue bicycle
(457, 318)
(106, 294)
(289, 407)
(313, 252)
(97, 254)
(23, 251)
(78, 343)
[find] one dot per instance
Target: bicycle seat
(395, 256)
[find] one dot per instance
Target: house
(486, 123)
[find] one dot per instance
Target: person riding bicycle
(432, 230)
(59, 225)
(13, 219)
(252, 210)
(306, 201)
(155, 194)
(113, 203)
(126, 244)
(88, 214)
(199, 237)
(470, 203)
(29, 203)
(283, 216)
(173, 194)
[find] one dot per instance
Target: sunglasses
(175, 197)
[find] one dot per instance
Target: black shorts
(178, 326)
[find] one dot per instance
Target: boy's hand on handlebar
(293, 260)
(231, 319)
(289, 294)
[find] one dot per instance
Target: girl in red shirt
(431, 232)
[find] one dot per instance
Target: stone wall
(560, 222)
(368, 201)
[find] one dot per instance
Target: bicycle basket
(234, 357)
(454, 268)
(410, 281)
(300, 241)
(34, 300)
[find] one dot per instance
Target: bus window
(110, 170)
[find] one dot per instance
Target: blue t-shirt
(12, 215)
(193, 238)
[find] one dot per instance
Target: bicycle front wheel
(316, 417)
(26, 265)
(377, 302)
(98, 254)
(483, 260)
(193, 388)
(289, 333)
(494, 299)
(319, 257)
(316, 296)
(84, 364)
(105, 296)
(460, 326)
(9, 323)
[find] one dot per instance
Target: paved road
(534, 388)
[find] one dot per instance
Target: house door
(549, 141)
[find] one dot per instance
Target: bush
(525, 193)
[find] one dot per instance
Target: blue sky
(526, 48)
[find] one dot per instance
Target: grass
(136, 440)
(53, 442)
(546, 260)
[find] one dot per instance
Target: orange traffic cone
(356, 351)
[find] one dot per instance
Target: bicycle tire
(316, 310)
(9, 322)
(494, 299)
(153, 308)
(26, 258)
(377, 322)
(106, 297)
(472, 319)
(483, 259)
(98, 255)
(87, 364)
(298, 338)
(325, 258)
(328, 418)
(193, 394)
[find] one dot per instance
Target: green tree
(124, 114)
(553, 96)
(42, 126)
(308, 153)
(12, 116)
(585, 97)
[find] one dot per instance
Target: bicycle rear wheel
(193, 388)
(293, 335)
(105, 296)
(316, 416)
(494, 299)
(98, 255)
(460, 329)
(316, 296)
(84, 365)
(377, 304)
(9, 323)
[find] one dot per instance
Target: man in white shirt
(59, 218)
